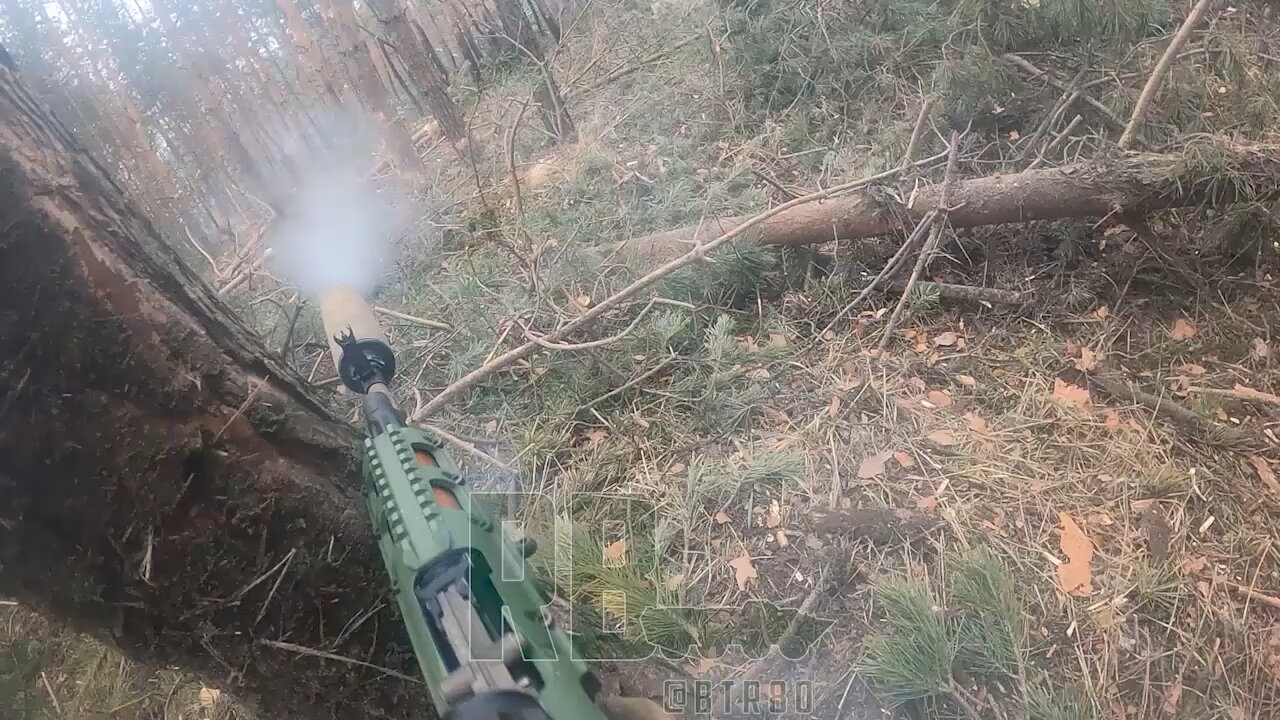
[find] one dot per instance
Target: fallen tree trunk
(1134, 182)
(165, 483)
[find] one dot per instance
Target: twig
(890, 267)
(239, 411)
(1253, 594)
(619, 73)
(299, 649)
(57, 707)
(1200, 428)
(1056, 142)
(541, 340)
(916, 132)
(971, 293)
(629, 384)
(806, 607)
(276, 586)
(1157, 76)
(412, 318)
(213, 265)
(1103, 110)
(1246, 394)
(1069, 96)
(459, 442)
(609, 303)
(935, 238)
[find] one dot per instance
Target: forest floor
(994, 525)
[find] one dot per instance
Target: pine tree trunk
(393, 17)
(166, 482)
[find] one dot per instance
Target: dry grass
(48, 672)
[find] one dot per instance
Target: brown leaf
(1193, 369)
(1172, 696)
(873, 465)
(833, 407)
(1248, 393)
(1070, 394)
(928, 502)
(209, 696)
(904, 459)
(942, 437)
(1100, 313)
(676, 468)
(967, 381)
(1111, 419)
(615, 554)
(1087, 361)
(743, 569)
(777, 340)
(583, 300)
(976, 423)
(946, 339)
(1014, 135)
(1265, 474)
(773, 518)
(938, 398)
(781, 537)
(1260, 349)
(595, 437)
(916, 383)
(1182, 330)
(722, 517)
(1075, 576)
(1194, 564)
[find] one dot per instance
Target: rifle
(479, 623)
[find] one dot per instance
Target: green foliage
(990, 628)
(911, 658)
(976, 630)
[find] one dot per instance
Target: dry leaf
(873, 465)
(782, 538)
(1172, 696)
(938, 398)
(1087, 361)
(1194, 564)
(916, 383)
(942, 437)
(1193, 369)
(777, 340)
(946, 339)
(594, 437)
(722, 517)
(1070, 394)
(903, 459)
(674, 581)
(209, 696)
(833, 407)
(1267, 477)
(1111, 419)
(1247, 393)
(773, 518)
(583, 300)
(1182, 330)
(615, 554)
(976, 423)
(676, 468)
(967, 381)
(1075, 576)
(927, 503)
(1101, 312)
(743, 569)
(1260, 349)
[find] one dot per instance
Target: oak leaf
(743, 569)
(873, 465)
(1075, 576)
(1070, 394)
(1182, 330)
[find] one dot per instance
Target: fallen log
(1132, 182)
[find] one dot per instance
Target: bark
(1135, 182)
(166, 483)
(393, 17)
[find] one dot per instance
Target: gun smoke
(337, 227)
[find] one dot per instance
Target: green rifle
(479, 624)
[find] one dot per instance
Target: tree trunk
(393, 17)
(1132, 183)
(166, 482)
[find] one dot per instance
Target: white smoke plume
(337, 227)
